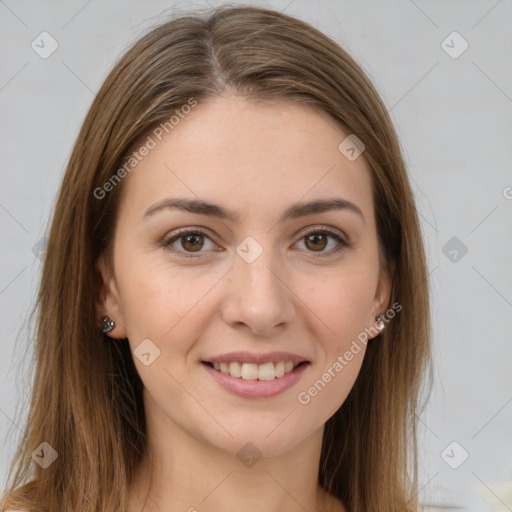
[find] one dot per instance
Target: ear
(107, 298)
(382, 298)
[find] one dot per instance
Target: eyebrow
(295, 211)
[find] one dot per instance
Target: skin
(257, 160)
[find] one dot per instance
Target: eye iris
(314, 238)
(185, 240)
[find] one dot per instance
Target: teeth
(266, 371)
(251, 371)
(235, 369)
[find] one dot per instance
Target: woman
(234, 308)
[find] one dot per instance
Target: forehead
(250, 157)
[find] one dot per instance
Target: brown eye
(316, 242)
(192, 242)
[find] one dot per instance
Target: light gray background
(454, 119)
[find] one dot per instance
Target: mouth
(256, 381)
(251, 371)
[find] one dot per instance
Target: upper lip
(251, 357)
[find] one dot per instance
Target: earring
(107, 324)
(380, 324)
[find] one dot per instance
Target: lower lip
(257, 388)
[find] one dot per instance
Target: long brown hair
(86, 401)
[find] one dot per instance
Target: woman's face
(257, 284)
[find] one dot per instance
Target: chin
(268, 437)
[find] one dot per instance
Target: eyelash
(167, 242)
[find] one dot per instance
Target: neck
(182, 473)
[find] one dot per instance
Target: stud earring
(107, 324)
(380, 324)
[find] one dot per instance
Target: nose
(258, 297)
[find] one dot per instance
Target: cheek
(342, 303)
(326, 390)
(161, 300)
